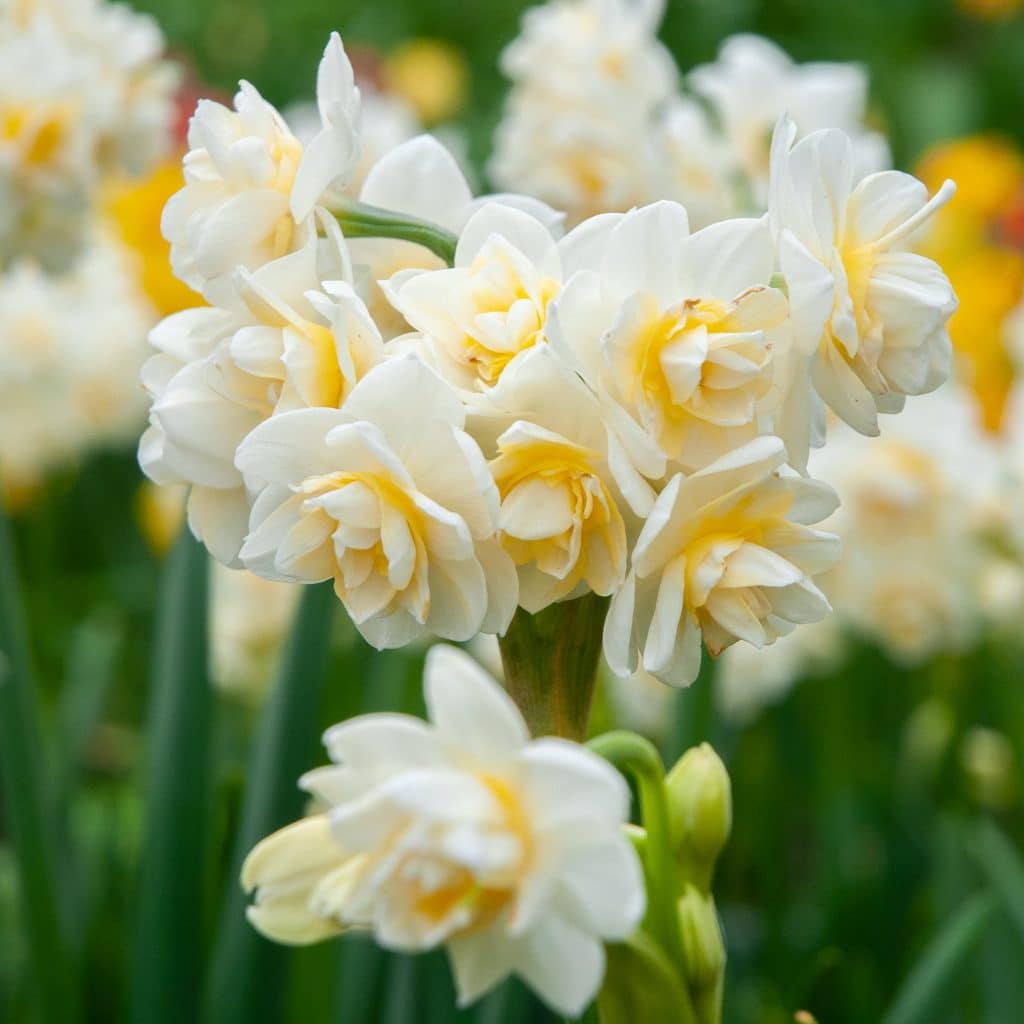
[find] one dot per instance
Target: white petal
(470, 710)
(519, 229)
(647, 253)
(420, 178)
(727, 258)
(562, 964)
(604, 886)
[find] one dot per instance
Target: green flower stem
(637, 756)
(550, 662)
(26, 804)
(359, 220)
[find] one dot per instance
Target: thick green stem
(550, 662)
(359, 220)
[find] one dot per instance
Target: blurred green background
(855, 841)
(937, 68)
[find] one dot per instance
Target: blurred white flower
(464, 833)
(391, 499)
(747, 679)
(726, 554)
(70, 354)
(696, 164)
(249, 182)
(249, 619)
(83, 93)
(869, 314)
(588, 79)
(640, 702)
(916, 504)
(753, 82)
(677, 329)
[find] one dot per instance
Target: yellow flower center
(747, 522)
(462, 890)
(364, 555)
(587, 539)
(38, 132)
(508, 317)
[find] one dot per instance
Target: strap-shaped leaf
(247, 972)
(28, 805)
(167, 948)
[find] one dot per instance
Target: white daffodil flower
(727, 554)
(753, 82)
(677, 329)
(250, 184)
(460, 832)
(290, 342)
(870, 314)
(391, 499)
(565, 480)
(479, 315)
(420, 178)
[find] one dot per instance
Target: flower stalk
(635, 756)
(360, 220)
(550, 661)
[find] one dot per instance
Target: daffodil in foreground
(460, 832)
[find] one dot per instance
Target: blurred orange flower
(979, 240)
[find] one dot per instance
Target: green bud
(704, 951)
(700, 813)
(641, 984)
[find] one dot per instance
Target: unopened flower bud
(700, 809)
(702, 938)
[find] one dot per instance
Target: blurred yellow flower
(135, 206)
(431, 75)
(160, 513)
(979, 243)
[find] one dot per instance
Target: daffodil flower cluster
(471, 420)
(622, 410)
(84, 92)
(600, 118)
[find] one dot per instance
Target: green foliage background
(851, 854)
